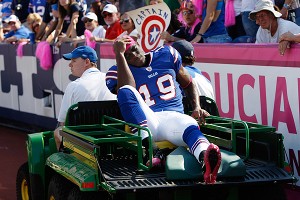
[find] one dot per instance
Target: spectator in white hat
(112, 19)
(17, 31)
(270, 22)
(91, 24)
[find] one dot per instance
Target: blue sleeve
(9, 34)
(112, 79)
(176, 59)
(22, 33)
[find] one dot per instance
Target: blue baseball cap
(82, 52)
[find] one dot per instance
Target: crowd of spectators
(197, 21)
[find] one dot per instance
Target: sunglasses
(107, 15)
(187, 12)
(87, 20)
(124, 20)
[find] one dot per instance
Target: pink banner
(258, 54)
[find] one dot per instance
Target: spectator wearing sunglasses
(128, 26)
(34, 21)
(112, 19)
(17, 32)
(90, 21)
(191, 24)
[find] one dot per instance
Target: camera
(19, 6)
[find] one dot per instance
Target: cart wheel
(22, 183)
(58, 188)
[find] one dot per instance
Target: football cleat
(212, 162)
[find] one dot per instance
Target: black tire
(58, 188)
(76, 194)
(23, 183)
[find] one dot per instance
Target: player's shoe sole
(212, 161)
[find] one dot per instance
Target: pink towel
(20, 49)
(44, 54)
(88, 35)
(229, 13)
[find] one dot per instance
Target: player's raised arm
(124, 74)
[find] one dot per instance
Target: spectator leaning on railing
(71, 9)
(271, 25)
(91, 24)
(50, 20)
(213, 22)
(128, 26)
(189, 17)
(285, 41)
(17, 31)
(112, 19)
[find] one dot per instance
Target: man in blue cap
(89, 86)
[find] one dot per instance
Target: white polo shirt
(90, 86)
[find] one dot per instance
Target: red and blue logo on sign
(151, 29)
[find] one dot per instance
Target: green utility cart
(102, 160)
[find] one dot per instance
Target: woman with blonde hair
(34, 20)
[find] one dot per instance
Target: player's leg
(134, 110)
(182, 130)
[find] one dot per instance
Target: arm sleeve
(175, 58)
(111, 79)
(22, 33)
(9, 34)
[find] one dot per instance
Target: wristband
(199, 34)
